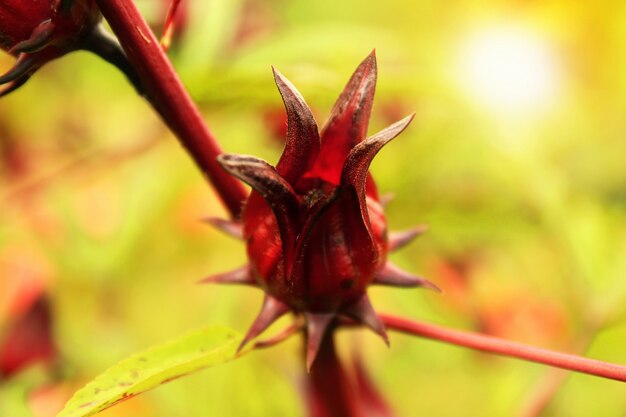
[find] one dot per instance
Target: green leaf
(158, 365)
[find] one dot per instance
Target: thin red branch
(506, 348)
(167, 94)
(169, 26)
(546, 388)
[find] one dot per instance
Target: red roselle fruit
(38, 31)
(314, 226)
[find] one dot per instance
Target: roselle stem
(166, 93)
(329, 388)
(502, 347)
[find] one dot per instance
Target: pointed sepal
(351, 113)
(393, 276)
(352, 191)
(348, 122)
(317, 327)
(239, 276)
(303, 142)
(363, 312)
(270, 185)
(357, 164)
(271, 311)
(398, 240)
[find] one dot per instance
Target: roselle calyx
(314, 225)
(39, 31)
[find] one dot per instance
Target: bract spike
(398, 240)
(317, 325)
(280, 337)
(393, 276)
(363, 312)
(271, 311)
(228, 227)
(239, 276)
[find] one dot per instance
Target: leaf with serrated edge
(158, 365)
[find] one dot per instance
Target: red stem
(169, 97)
(329, 388)
(505, 348)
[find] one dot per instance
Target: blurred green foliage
(526, 207)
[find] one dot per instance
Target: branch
(505, 348)
(166, 93)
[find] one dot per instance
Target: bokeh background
(516, 160)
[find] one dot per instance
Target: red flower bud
(39, 23)
(314, 226)
(41, 30)
(38, 31)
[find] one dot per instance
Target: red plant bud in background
(28, 339)
(38, 31)
(314, 226)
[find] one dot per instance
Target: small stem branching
(503, 347)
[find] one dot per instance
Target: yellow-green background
(532, 202)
